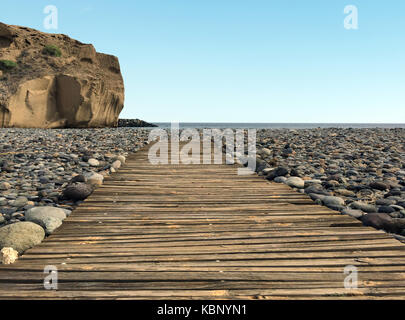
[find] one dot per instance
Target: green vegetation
(7, 65)
(52, 50)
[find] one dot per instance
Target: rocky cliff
(53, 81)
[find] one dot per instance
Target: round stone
(78, 178)
(50, 224)
(95, 178)
(5, 186)
(39, 213)
(353, 213)
(380, 221)
(121, 158)
(77, 191)
(333, 201)
(280, 179)
(369, 208)
(93, 162)
(379, 186)
(116, 164)
(266, 152)
(295, 182)
(20, 202)
(21, 236)
(385, 209)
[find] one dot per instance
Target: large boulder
(77, 88)
(21, 236)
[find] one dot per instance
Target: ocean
(212, 125)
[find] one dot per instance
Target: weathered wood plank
(203, 232)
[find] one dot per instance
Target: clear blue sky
(243, 61)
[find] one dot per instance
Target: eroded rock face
(81, 88)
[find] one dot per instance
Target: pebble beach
(358, 172)
(45, 174)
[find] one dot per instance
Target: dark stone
(351, 173)
(46, 200)
(317, 190)
(356, 187)
(316, 196)
(286, 152)
(270, 176)
(336, 177)
(279, 172)
(393, 193)
(330, 184)
(8, 211)
(260, 165)
(385, 209)
(134, 123)
(379, 221)
(384, 202)
(294, 173)
(77, 191)
(44, 180)
(78, 178)
(336, 207)
(379, 186)
(273, 162)
(401, 204)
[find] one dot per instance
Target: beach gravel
(43, 170)
(359, 172)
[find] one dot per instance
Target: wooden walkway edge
(203, 232)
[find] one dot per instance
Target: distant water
(213, 125)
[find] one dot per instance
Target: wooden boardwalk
(203, 232)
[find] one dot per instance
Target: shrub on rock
(52, 50)
(7, 65)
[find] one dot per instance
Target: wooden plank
(203, 232)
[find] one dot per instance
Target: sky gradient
(243, 61)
